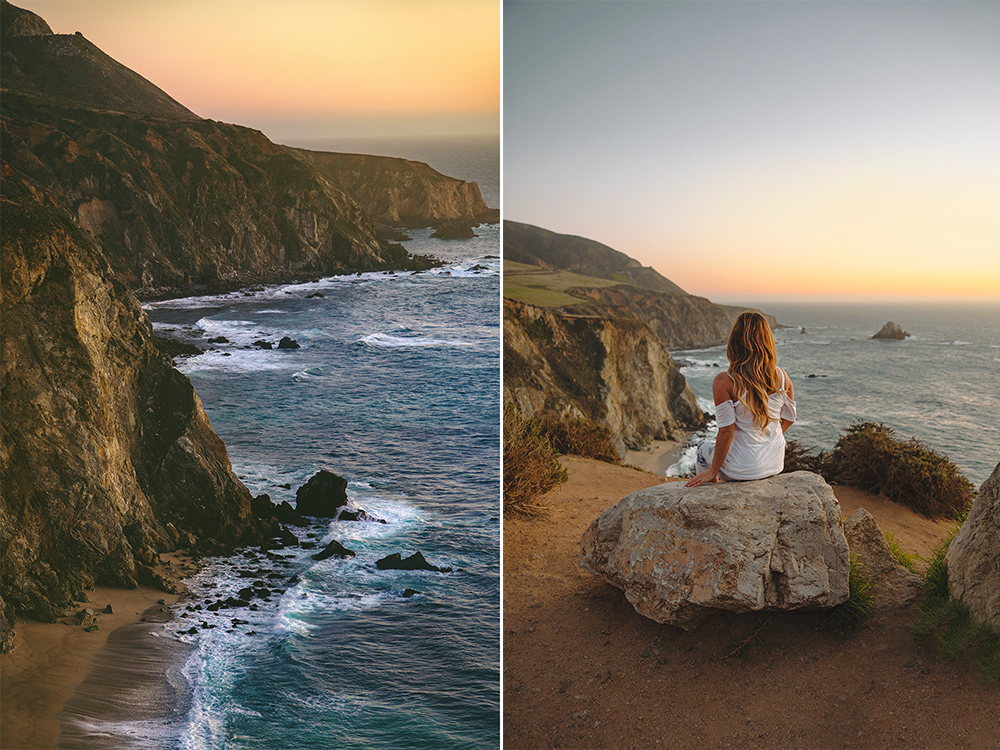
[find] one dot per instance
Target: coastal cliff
(177, 202)
(607, 370)
(107, 456)
(403, 193)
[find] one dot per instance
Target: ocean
(941, 385)
(396, 387)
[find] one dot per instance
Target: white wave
(237, 361)
(387, 341)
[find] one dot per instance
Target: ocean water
(941, 385)
(396, 388)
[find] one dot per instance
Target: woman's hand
(706, 477)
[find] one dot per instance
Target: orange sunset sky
(308, 68)
(755, 150)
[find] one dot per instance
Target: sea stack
(891, 331)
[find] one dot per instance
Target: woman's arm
(722, 391)
(786, 423)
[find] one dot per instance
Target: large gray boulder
(680, 553)
(973, 558)
(895, 586)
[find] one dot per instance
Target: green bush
(580, 437)
(530, 467)
(870, 457)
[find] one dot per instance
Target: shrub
(530, 468)
(869, 456)
(580, 437)
(800, 458)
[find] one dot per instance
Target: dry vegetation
(530, 467)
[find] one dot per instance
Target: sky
(764, 149)
(307, 69)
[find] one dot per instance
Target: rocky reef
(891, 331)
(107, 456)
(607, 370)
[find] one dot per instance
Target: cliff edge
(107, 457)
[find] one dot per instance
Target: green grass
(542, 288)
(848, 617)
(904, 558)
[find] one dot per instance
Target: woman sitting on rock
(754, 405)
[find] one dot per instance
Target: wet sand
(50, 660)
(658, 457)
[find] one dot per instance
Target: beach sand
(658, 457)
(583, 670)
(50, 660)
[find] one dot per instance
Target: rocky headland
(588, 333)
(177, 202)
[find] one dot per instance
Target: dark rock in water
(334, 548)
(322, 495)
(287, 343)
(174, 348)
(360, 515)
(219, 340)
(415, 561)
(454, 230)
(286, 514)
(262, 507)
(410, 592)
(891, 331)
(261, 344)
(803, 330)
(315, 295)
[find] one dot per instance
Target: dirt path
(583, 670)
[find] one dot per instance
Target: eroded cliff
(609, 370)
(107, 457)
(403, 193)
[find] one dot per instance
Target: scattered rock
(315, 295)
(895, 585)
(261, 344)
(322, 495)
(680, 553)
(407, 593)
(415, 561)
(360, 515)
(109, 610)
(219, 340)
(333, 549)
(287, 343)
(973, 572)
(891, 331)
(454, 230)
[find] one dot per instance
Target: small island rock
(891, 331)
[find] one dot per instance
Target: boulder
(360, 515)
(973, 558)
(287, 343)
(334, 548)
(891, 331)
(322, 495)
(680, 553)
(416, 561)
(895, 586)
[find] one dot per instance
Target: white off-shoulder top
(754, 454)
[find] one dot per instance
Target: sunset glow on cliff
(324, 67)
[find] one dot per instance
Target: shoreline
(659, 456)
(50, 662)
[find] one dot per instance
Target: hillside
(176, 202)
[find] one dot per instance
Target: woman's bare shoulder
(723, 386)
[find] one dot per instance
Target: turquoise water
(396, 388)
(941, 385)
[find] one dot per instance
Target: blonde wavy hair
(753, 365)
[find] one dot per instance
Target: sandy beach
(583, 670)
(50, 660)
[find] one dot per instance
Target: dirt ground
(583, 670)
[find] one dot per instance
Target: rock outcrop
(322, 496)
(404, 193)
(680, 553)
(891, 331)
(107, 456)
(973, 558)
(608, 370)
(895, 586)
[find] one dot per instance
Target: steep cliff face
(179, 202)
(609, 370)
(681, 321)
(107, 457)
(400, 192)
